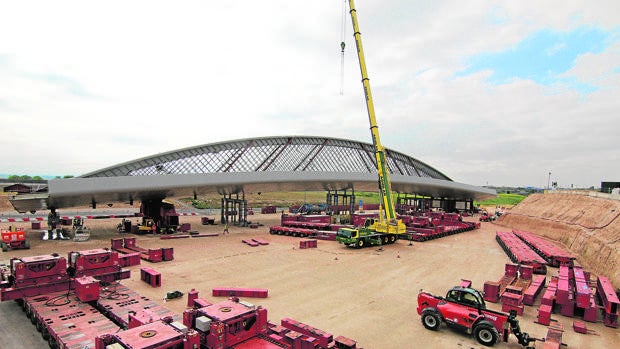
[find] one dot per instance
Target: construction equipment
(158, 216)
(387, 228)
(14, 238)
(79, 231)
(464, 309)
(486, 217)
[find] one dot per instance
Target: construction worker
(226, 228)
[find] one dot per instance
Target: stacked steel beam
(534, 289)
(519, 252)
(609, 300)
(240, 292)
(546, 304)
(493, 290)
(553, 254)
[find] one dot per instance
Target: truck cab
(347, 236)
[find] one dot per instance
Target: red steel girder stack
(519, 252)
(546, 304)
(240, 292)
(552, 253)
(493, 290)
(534, 289)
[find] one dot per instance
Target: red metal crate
(150, 276)
(580, 327)
(544, 314)
(87, 288)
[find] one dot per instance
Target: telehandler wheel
(486, 334)
(431, 320)
(361, 243)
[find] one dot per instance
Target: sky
(499, 93)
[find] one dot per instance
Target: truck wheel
(431, 320)
(385, 240)
(392, 239)
(361, 243)
(486, 334)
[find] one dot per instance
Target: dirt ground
(367, 295)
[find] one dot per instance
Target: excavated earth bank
(587, 226)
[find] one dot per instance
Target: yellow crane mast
(388, 227)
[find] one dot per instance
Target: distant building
(18, 188)
(607, 187)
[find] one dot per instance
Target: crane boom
(387, 229)
(385, 187)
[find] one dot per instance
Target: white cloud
(89, 85)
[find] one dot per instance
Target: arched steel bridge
(287, 163)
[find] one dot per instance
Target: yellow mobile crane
(387, 228)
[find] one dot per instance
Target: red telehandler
(464, 309)
(14, 238)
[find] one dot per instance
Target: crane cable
(342, 44)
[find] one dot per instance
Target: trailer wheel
(52, 343)
(431, 320)
(361, 243)
(486, 334)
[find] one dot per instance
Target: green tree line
(32, 178)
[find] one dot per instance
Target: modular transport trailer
(83, 312)
(66, 322)
(32, 276)
(241, 325)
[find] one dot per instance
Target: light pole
(549, 180)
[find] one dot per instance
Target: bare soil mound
(587, 226)
(5, 205)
